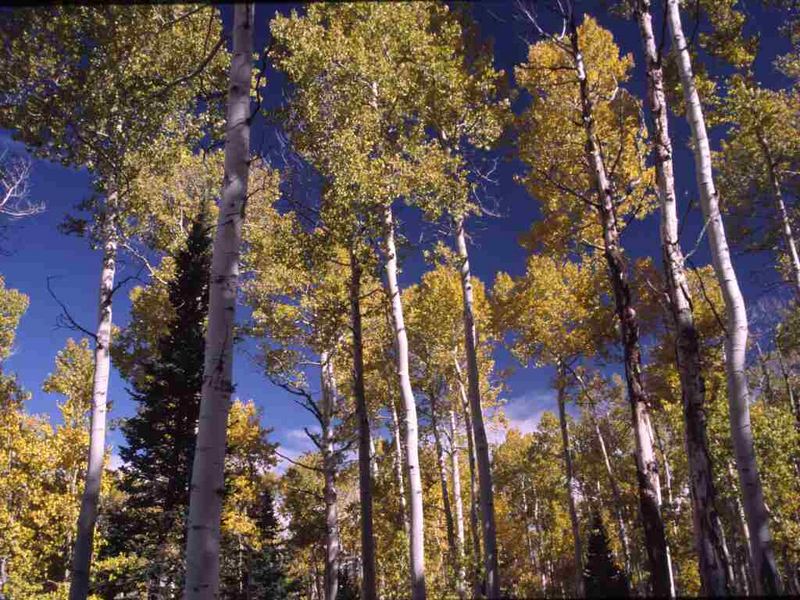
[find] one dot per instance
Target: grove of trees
(656, 147)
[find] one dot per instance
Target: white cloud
(523, 413)
(295, 443)
(114, 461)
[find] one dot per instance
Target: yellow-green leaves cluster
(556, 311)
(552, 137)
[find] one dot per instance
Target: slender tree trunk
(546, 568)
(646, 465)
(208, 471)
(612, 479)
(769, 393)
(369, 589)
(329, 467)
(787, 383)
(617, 496)
(481, 442)
(459, 506)
(783, 215)
(417, 544)
(82, 554)
(448, 509)
(707, 526)
(477, 578)
(535, 562)
(398, 466)
(670, 503)
(767, 578)
(570, 480)
(745, 530)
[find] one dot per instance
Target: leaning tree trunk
(707, 526)
(82, 553)
(369, 590)
(477, 579)
(646, 464)
(780, 206)
(458, 503)
(570, 481)
(766, 575)
(481, 442)
(208, 471)
(329, 467)
(416, 540)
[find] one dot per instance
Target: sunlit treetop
(13, 305)
(552, 138)
(558, 310)
(86, 84)
(367, 80)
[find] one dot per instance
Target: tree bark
(707, 527)
(646, 464)
(84, 538)
(767, 578)
(416, 539)
(459, 505)
(477, 579)
(208, 471)
(329, 467)
(481, 442)
(369, 590)
(570, 480)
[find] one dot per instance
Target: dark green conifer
(601, 576)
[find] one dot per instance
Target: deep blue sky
(37, 250)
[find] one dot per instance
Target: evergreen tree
(601, 577)
(268, 572)
(160, 438)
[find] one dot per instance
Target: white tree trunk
(570, 482)
(766, 574)
(458, 503)
(82, 554)
(708, 537)
(208, 470)
(416, 540)
(481, 443)
(329, 466)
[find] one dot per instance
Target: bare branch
(65, 318)
(15, 173)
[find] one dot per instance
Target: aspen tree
(707, 526)
(86, 88)
(765, 571)
(205, 502)
(588, 172)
